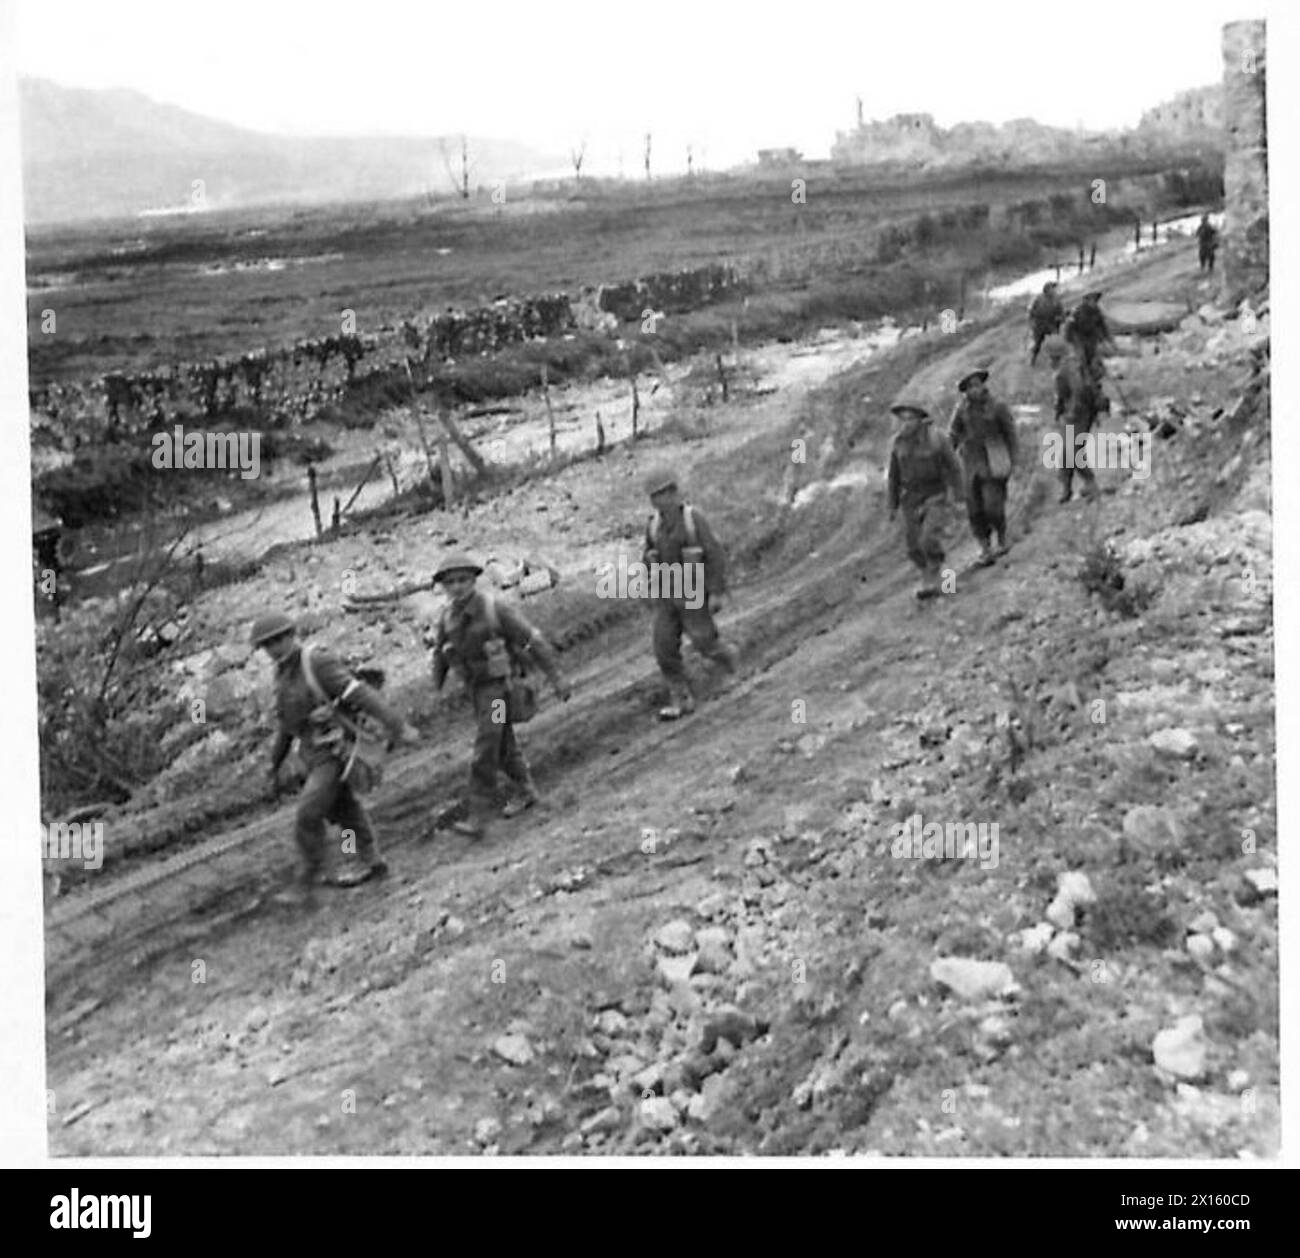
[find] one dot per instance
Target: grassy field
(140, 294)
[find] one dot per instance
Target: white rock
(1263, 880)
(1061, 913)
(659, 1113)
(674, 970)
(675, 937)
(1238, 1079)
(513, 1048)
(1075, 887)
(1035, 938)
(1200, 946)
(974, 980)
(1203, 923)
(487, 1130)
(1064, 944)
(1225, 938)
(1179, 744)
(1180, 1049)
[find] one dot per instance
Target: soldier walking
(1076, 413)
(1207, 242)
(311, 685)
(922, 471)
(1046, 314)
(1087, 331)
(488, 643)
(678, 533)
(984, 432)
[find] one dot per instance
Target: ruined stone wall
(1245, 176)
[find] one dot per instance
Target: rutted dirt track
(701, 943)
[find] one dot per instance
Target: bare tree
(690, 161)
(576, 156)
(647, 154)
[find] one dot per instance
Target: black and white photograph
(689, 582)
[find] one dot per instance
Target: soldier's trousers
(1081, 428)
(1040, 334)
(1207, 259)
(924, 526)
(986, 505)
(671, 621)
(325, 797)
(496, 749)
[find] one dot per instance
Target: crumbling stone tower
(1245, 177)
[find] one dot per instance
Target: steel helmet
(457, 563)
(270, 625)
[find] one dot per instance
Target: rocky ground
(707, 940)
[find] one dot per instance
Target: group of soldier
(325, 709)
(925, 473)
(328, 712)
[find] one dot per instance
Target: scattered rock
(659, 1113)
(486, 1130)
(974, 980)
(257, 1018)
(1063, 945)
(1224, 938)
(1178, 744)
(712, 959)
(513, 1048)
(610, 1022)
(1238, 1080)
(608, 1119)
(710, 1100)
(1200, 946)
(581, 940)
(1180, 1050)
(1258, 884)
(1203, 923)
(1033, 939)
(675, 937)
(1152, 829)
(676, 971)
(731, 1024)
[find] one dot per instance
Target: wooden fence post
(315, 501)
(448, 485)
(550, 413)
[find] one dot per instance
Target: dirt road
(701, 943)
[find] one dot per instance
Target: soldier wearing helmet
(1045, 316)
(1087, 331)
(486, 642)
(983, 430)
(678, 533)
(307, 715)
(923, 470)
(1076, 412)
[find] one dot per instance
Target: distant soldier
(678, 533)
(488, 643)
(1046, 314)
(312, 685)
(1076, 408)
(47, 551)
(1207, 242)
(984, 431)
(1086, 329)
(922, 471)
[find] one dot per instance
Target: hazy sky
(729, 78)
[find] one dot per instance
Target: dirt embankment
(705, 941)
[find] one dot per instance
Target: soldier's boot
(986, 555)
(725, 657)
(929, 587)
(1002, 547)
(525, 797)
(680, 703)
